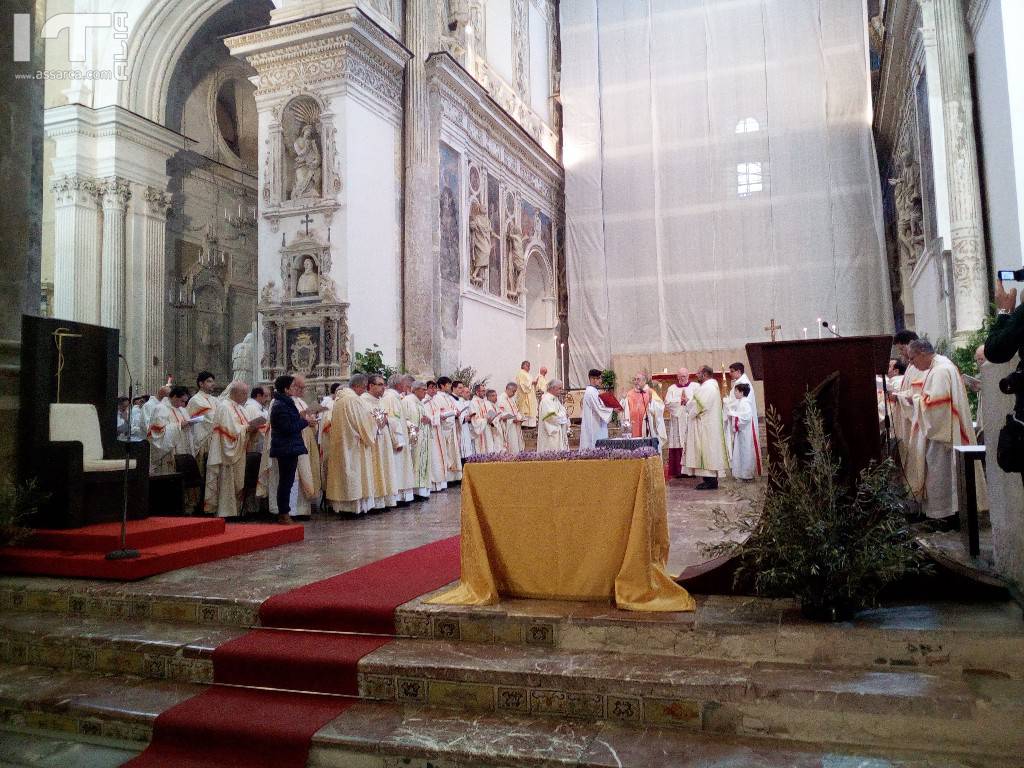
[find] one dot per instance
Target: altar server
(596, 415)
(744, 451)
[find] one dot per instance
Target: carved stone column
(153, 259)
(420, 276)
(76, 249)
(970, 274)
(116, 194)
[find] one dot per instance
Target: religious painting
(494, 212)
(545, 233)
(527, 220)
(302, 349)
(924, 156)
(448, 213)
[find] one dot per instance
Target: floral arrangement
(589, 454)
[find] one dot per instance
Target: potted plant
(832, 544)
(18, 504)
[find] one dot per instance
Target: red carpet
(164, 544)
(229, 727)
(364, 600)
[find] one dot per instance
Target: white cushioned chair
(79, 422)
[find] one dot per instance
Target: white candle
(819, 327)
(805, 333)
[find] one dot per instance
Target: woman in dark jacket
(286, 444)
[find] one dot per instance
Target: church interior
(451, 383)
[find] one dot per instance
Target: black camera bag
(1010, 448)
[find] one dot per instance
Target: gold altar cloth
(568, 530)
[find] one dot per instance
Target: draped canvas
(720, 171)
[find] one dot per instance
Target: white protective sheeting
(669, 107)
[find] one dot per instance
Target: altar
(566, 530)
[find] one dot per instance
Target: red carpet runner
(236, 727)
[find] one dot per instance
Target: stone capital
(158, 202)
(116, 193)
(74, 189)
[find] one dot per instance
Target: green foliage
(826, 542)
(608, 379)
(468, 376)
(963, 357)
(18, 504)
(371, 360)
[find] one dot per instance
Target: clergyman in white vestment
(552, 422)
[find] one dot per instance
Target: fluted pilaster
(970, 274)
(76, 249)
(154, 266)
(116, 194)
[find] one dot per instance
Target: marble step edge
(119, 602)
(723, 627)
(741, 628)
(721, 697)
(383, 735)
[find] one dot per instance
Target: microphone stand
(124, 553)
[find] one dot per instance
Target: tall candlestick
(805, 333)
(819, 327)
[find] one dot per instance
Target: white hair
(554, 383)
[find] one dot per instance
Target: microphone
(827, 327)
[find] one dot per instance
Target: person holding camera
(1004, 341)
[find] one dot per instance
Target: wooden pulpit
(789, 369)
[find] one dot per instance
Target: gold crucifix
(772, 328)
(58, 338)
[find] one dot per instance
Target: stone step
(812, 704)
(116, 711)
(816, 704)
(942, 638)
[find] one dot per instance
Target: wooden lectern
(789, 369)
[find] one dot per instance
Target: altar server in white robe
(441, 460)
(706, 454)
(202, 408)
(752, 449)
(514, 419)
(552, 421)
(495, 422)
(256, 410)
(677, 419)
(167, 432)
(462, 401)
(940, 421)
(479, 423)
(386, 445)
(421, 434)
(352, 481)
(596, 415)
(403, 469)
(225, 463)
(450, 429)
(744, 453)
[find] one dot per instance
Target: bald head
(238, 391)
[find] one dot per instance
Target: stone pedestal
(329, 96)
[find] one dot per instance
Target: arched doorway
(541, 315)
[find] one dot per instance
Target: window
(748, 125)
(748, 179)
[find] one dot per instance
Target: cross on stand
(772, 328)
(307, 221)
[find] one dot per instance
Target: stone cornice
(902, 34)
(465, 102)
(345, 45)
(112, 121)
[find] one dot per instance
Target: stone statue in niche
(909, 218)
(308, 283)
(480, 252)
(516, 260)
(241, 360)
(328, 291)
(308, 168)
